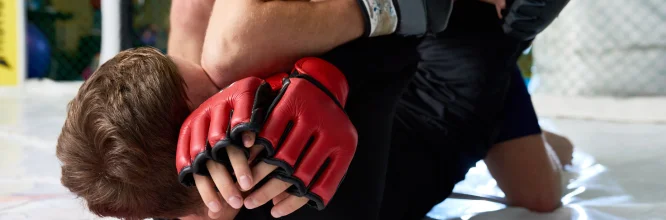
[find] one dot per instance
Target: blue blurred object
(149, 35)
(35, 5)
(39, 52)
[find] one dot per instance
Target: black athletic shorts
(452, 110)
(519, 118)
(377, 70)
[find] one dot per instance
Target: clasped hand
(304, 135)
(247, 176)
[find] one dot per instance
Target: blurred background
(64, 36)
(597, 75)
(615, 49)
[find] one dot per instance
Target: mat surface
(620, 177)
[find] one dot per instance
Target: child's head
(118, 144)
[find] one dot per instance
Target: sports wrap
(300, 123)
(405, 17)
(527, 18)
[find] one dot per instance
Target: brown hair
(118, 144)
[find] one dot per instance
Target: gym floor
(617, 170)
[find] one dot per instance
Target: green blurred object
(525, 63)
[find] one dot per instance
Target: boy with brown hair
(117, 146)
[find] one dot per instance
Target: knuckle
(284, 184)
(208, 197)
(227, 191)
(236, 156)
(232, 150)
(213, 166)
(238, 160)
(291, 206)
(249, 134)
(262, 195)
(242, 170)
(224, 186)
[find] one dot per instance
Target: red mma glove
(307, 133)
(219, 122)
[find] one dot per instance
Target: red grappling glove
(219, 122)
(307, 134)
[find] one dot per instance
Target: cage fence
(594, 48)
(64, 36)
(150, 23)
(609, 48)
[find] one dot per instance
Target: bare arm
(528, 172)
(188, 21)
(253, 37)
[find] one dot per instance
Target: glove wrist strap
(381, 17)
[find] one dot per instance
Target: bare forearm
(259, 38)
(527, 172)
(309, 28)
(188, 21)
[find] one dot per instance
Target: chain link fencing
(603, 48)
(64, 36)
(150, 20)
(595, 47)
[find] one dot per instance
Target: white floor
(620, 175)
(622, 180)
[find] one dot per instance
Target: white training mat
(606, 108)
(618, 178)
(30, 121)
(623, 180)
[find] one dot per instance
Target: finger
(288, 205)
(248, 138)
(227, 212)
(214, 215)
(217, 215)
(280, 197)
(261, 170)
(241, 167)
(225, 184)
(199, 135)
(206, 189)
(254, 151)
(500, 5)
(267, 192)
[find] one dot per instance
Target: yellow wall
(9, 56)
